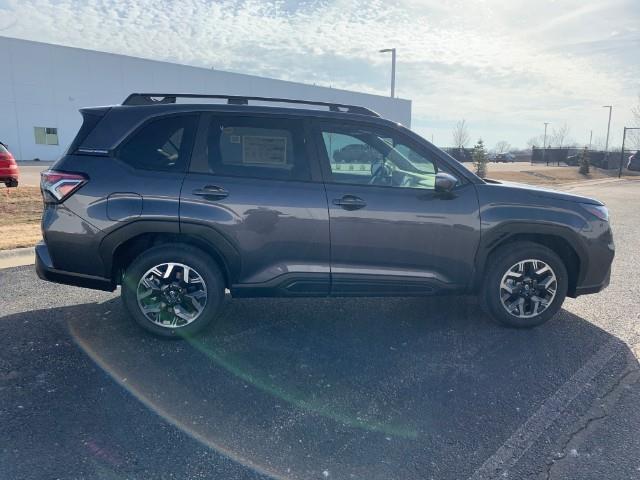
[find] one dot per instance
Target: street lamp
(544, 143)
(606, 145)
(393, 69)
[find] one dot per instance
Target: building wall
(44, 85)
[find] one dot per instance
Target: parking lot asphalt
(30, 172)
(325, 388)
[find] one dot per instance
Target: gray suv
(178, 201)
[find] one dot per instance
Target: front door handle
(211, 191)
(350, 202)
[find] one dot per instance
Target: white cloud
(504, 66)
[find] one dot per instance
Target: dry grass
(546, 176)
(20, 211)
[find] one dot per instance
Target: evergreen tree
(584, 162)
(480, 159)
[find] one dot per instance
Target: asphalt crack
(594, 417)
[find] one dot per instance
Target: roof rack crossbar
(164, 98)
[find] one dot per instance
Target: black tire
(190, 256)
(499, 264)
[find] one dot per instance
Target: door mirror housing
(445, 182)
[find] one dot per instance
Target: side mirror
(445, 182)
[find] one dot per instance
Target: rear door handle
(211, 191)
(350, 202)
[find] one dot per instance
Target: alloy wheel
(528, 288)
(172, 295)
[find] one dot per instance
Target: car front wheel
(173, 290)
(525, 285)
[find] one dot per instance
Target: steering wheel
(379, 172)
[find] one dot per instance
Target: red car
(8, 167)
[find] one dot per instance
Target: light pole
(606, 145)
(624, 136)
(393, 69)
(544, 143)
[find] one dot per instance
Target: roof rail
(164, 98)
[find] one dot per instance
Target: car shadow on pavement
(343, 388)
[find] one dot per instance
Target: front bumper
(46, 271)
(600, 251)
(588, 289)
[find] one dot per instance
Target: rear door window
(269, 148)
(162, 144)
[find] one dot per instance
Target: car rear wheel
(525, 285)
(173, 290)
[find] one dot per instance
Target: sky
(505, 66)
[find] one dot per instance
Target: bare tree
(535, 141)
(598, 143)
(559, 136)
(460, 134)
(502, 147)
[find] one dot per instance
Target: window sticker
(264, 150)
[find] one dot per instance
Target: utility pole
(606, 145)
(393, 69)
(590, 138)
(544, 143)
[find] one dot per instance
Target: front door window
(359, 155)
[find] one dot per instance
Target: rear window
(162, 145)
(3, 149)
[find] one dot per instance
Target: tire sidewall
(504, 260)
(189, 256)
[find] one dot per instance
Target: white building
(43, 86)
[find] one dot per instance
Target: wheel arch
(561, 240)
(122, 246)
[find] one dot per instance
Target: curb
(17, 252)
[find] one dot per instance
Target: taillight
(58, 186)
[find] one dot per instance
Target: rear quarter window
(162, 144)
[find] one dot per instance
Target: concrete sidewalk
(17, 257)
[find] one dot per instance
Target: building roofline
(204, 69)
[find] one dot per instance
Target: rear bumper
(9, 179)
(45, 270)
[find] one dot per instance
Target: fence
(571, 156)
(460, 154)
